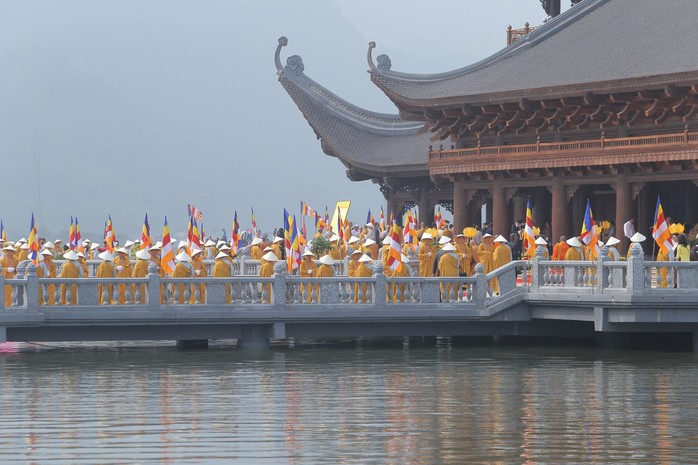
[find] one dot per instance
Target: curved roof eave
(375, 144)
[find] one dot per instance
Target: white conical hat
(277, 239)
(356, 251)
(364, 258)
(256, 241)
(81, 255)
(270, 257)
(49, 245)
(128, 243)
(22, 240)
(386, 240)
(182, 245)
(220, 243)
(224, 247)
(612, 241)
(156, 247)
(487, 235)
(426, 235)
(573, 242)
(222, 255)
(444, 240)
(500, 238)
(334, 237)
(47, 252)
(540, 241)
(600, 243)
(267, 249)
(106, 256)
(9, 248)
(637, 237)
(369, 242)
(143, 255)
(209, 243)
(24, 246)
(70, 255)
(326, 260)
(195, 252)
(122, 250)
(353, 240)
(308, 253)
(183, 257)
(449, 248)
(94, 246)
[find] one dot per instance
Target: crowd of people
(434, 251)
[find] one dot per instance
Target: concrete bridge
(603, 299)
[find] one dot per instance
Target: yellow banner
(342, 208)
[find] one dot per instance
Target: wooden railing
(544, 147)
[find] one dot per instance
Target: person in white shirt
(629, 228)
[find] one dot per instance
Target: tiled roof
(370, 144)
(597, 45)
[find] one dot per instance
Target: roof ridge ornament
(383, 60)
(283, 41)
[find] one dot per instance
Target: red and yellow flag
(167, 255)
(394, 252)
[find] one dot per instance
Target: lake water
(346, 404)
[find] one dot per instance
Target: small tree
(320, 246)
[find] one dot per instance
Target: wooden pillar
(460, 207)
(623, 209)
(499, 211)
(519, 207)
(425, 215)
(560, 214)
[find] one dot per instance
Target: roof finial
(283, 41)
(371, 46)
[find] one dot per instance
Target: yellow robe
(573, 253)
(485, 252)
(465, 256)
(362, 271)
(335, 251)
(325, 271)
(448, 268)
(182, 270)
(223, 268)
(308, 269)
(140, 270)
(276, 248)
(8, 262)
(51, 288)
(353, 264)
(265, 271)
(501, 256)
(71, 269)
(255, 252)
(427, 255)
(125, 272)
(198, 265)
(385, 254)
(663, 256)
(403, 271)
(22, 255)
(105, 270)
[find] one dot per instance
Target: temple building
(598, 103)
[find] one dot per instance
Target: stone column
(560, 223)
(499, 210)
(519, 208)
(460, 207)
(623, 209)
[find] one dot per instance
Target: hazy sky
(130, 107)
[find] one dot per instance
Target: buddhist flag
(438, 218)
(392, 219)
(235, 236)
(78, 237)
(287, 236)
(660, 230)
(167, 255)
(409, 234)
(294, 257)
(589, 234)
(195, 212)
(33, 241)
(71, 235)
(307, 211)
(193, 242)
(327, 215)
(146, 239)
(110, 237)
(3, 237)
(528, 234)
(394, 252)
(382, 218)
(254, 223)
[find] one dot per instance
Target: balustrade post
(31, 289)
(2, 290)
(153, 287)
(602, 273)
(480, 291)
(537, 271)
(379, 293)
(279, 287)
(635, 272)
(245, 253)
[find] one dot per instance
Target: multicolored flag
(195, 212)
(660, 230)
(327, 215)
(528, 234)
(3, 237)
(235, 235)
(33, 242)
(287, 235)
(167, 255)
(78, 237)
(110, 236)
(254, 223)
(193, 241)
(294, 257)
(382, 219)
(589, 233)
(71, 235)
(307, 211)
(394, 253)
(146, 239)
(409, 234)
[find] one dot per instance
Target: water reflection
(347, 405)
